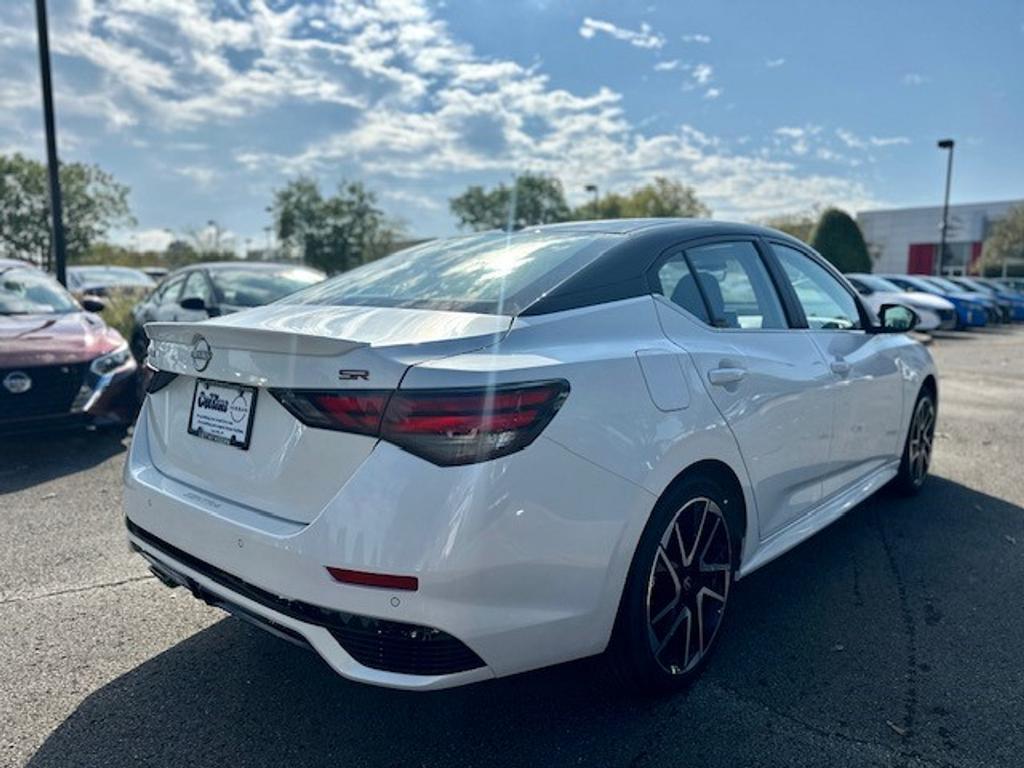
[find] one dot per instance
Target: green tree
(799, 225)
(838, 238)
(333, 233)
(1005, 244)
(539, 199)
(93, 203)
(661, 198)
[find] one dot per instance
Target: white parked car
(933, 312)
(498, 452)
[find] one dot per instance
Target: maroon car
(60, 364)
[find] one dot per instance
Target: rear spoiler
(164, 335)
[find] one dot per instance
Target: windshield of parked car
(875, 283)
(81, 277)
(949, 285)
(25, 291)
(240, 287)
(475, 273)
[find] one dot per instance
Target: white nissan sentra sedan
(493, 453)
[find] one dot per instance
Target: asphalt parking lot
(892, 638)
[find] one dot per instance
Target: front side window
(198, 287)
(825, 301)
(169, 292)
(725, 284)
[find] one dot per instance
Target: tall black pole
(57, 249)
(944, 144)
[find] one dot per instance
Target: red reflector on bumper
(383, 580)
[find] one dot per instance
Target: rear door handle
(722, 376)
(840, 367)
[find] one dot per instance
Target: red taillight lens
(359, 411)
(463, 426)
(446, 427)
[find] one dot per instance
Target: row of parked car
(61, 364)
(945, 303)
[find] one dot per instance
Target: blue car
(969, 312)
(1011, 301)
(997, 311)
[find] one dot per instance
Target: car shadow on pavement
(829, 641)
(28, 460)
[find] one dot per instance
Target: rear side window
(826, 303)
(724, 284)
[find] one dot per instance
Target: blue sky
(204, 107)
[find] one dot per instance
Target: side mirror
(93, 304)
(194, 303)
(896, 318)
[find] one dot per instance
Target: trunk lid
(282, 473)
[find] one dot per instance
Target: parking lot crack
(75, 590)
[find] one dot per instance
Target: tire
(668, 587)
(917, 450)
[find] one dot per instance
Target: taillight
(356, 411)
(446, 427)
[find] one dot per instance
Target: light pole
(592, 188)
(944, 144)
(53, 169)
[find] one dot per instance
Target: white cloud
(202, 176)
(773, 63)
(888, 141)
(853, 141)
(667, 66)
(419, 112)
(913, 78)
(850, 139)
(645, 37)
(698, 38)
(702, 73)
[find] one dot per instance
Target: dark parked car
(60, 364)
(212, 289)
(101, 280)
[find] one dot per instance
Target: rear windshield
(480, 273)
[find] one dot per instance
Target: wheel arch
(737, 509)
(930, 385)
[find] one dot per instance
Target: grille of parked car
(51, 390)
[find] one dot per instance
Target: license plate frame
(225, 429)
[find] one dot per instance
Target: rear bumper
(518, 567)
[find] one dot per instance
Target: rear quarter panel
(609, 418)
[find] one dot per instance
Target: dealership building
(906, 240)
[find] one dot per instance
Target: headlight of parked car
(111, 361)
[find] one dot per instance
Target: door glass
(169, 293)
(733, 284)
(198, 287)
(826, 303)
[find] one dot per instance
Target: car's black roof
(616, 266)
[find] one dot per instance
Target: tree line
(339, 230)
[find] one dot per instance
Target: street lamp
(56, 214)
(944, 144)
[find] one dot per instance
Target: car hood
(928, 300)
(53, 339)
